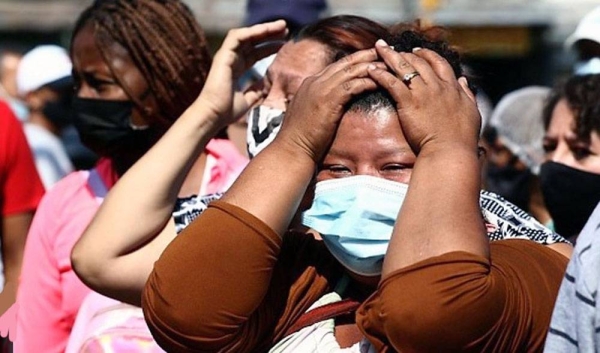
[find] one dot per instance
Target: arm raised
(117, 242)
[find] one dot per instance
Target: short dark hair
(404, 37)
(344, 34)
(582, 94)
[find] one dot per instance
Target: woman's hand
(241, 48)
(434, 108)
(313, 116)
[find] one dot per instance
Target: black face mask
(105, 127)
(510, 183)
(59, 111)
(570, 195)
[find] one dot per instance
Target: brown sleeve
(228, 283)
(210, 280)
(462, 302)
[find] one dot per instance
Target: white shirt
(51, 159)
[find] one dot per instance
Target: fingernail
(416, 49)
(381, 43)
(391, 46)
(371, 67)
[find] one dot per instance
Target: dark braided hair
(582, 94)
(165, 42)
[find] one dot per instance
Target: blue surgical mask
(356, 217)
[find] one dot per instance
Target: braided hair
(165, 42)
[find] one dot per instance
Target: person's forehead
(303, 56)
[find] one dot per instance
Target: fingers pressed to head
(358, 85)
(394, 85)
(398, 63)
(437, 63)
(359, 56)
(464, 84)
(348, 73)
(424, 69)
(349, 63)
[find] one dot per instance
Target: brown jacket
(228, 283)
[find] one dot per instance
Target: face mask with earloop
(105, 127)
(356, 217)
(263, 125)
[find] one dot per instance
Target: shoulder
(67, 194)
(12, 136)
(586, 257)
(522, 254)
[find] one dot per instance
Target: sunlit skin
(8, 72)
(369, 144)
(294, 62)
(374, 144)
(563, 146)
(95, 80)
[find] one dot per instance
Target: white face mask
(356, 217)
(263, 125)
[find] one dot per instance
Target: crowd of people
(320, 183)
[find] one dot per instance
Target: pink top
(50, 293)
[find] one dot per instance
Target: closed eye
(336, 170)
(393, 167)
(339, 169)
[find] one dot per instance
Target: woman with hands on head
(116, 239)
(392, 136)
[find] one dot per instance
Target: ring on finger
(409, 76)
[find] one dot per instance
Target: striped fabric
(575, 325)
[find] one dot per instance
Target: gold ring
(408, 77)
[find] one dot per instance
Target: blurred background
(508, 43)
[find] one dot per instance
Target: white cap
(588, 28)
(42, 65)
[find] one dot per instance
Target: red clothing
(20, 185)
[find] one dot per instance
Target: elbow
(87, 266)
(180, 324)
(454, 308)
(163, 321)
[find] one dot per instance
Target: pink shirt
(50, 292)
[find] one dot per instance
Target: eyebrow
(402, 151)
(291, 76)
